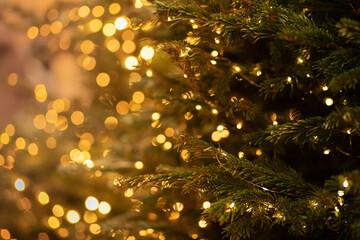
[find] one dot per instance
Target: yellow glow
(33, 149)
(206, 205)
(111, 122)
(203, 223)
(104, 207)
(239, 125)
(53, 222)
(129, 193)
(174, 216)
(72, 216)
(220, 128)
(90, 217)
(329, 101)
(87, 47)
(149, 73)
(4, 138)
(131, 63)
(345, 183)
(216, 136)
(51, 116)
(214, 53)
(5, 234)
(213, 62)
(95, 228)
(178, 206)
(12, 79)
(98, 11)
(40, 93)
(63, 232)
(43, 198)
(114, 8)
(169, 132)
(214, 111)
(32, 32)
(19, 184)
(138, 4)
(45, 30)
(160, 138)
(61, 123)
(58, 210)
(20, 143)
(122, 107)
(138, 97)
(56, 27)
(109, 29)
(198, 107)
(121, 23)
(91, 203)
(77, 118)
(128, 35)
(95, 25)
(89, 163)
(58, 105)
(325, 88)
(53, 14)
(241, 154)
(139, 165)
(51, 142)
(224, 133)
(167, 145)
(103, 79)
(88, 63)
(113, 45)
(327, 151)
(128, 47)
(84, 11)
(147, 52)
(155, 116)
(258, 152)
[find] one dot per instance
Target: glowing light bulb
(121, 23)
(91, 203)
(214, 53)
(104, 207)
(72, 216)
(206, 205)
(202, 223)
(345, 183)
(329, 101)
(131, 63)
(147, 52)
(19, 184)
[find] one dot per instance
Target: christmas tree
(193, 119)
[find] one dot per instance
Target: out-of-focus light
(43, 198)
(131, 63)
(109, 29)
(206, 205)
(147, 52)
(72, 216)
(19, 184)
(104, 207)
(329, 101)
(121, 23)
(91, 203)
(114, 8)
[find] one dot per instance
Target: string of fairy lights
(119, 40)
